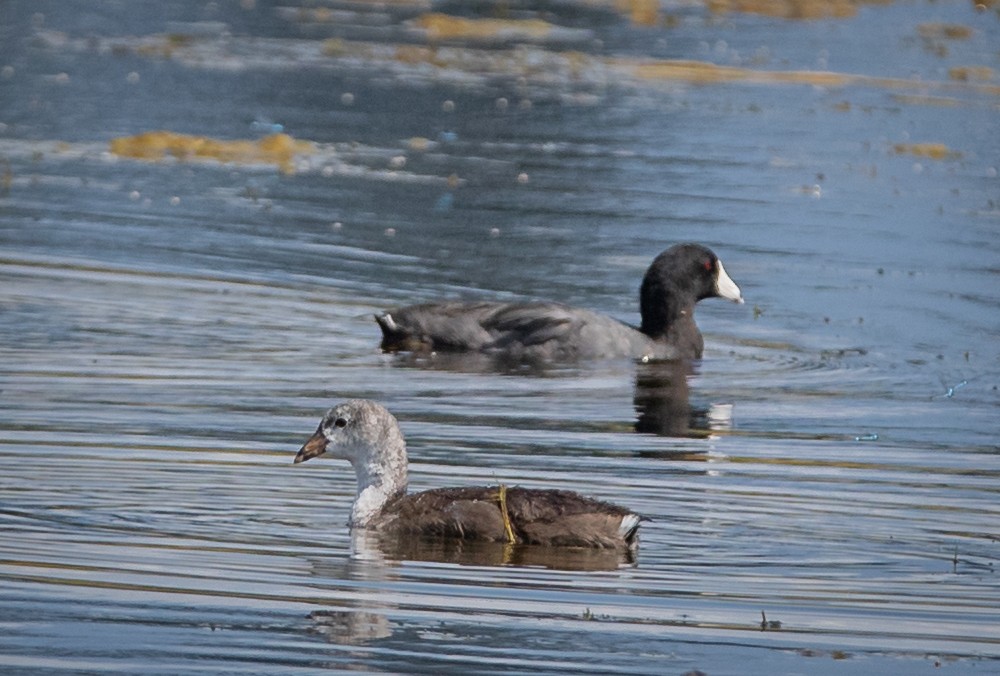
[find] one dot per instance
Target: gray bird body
(675, 281)
(534, 330)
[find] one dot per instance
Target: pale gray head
(365, 434)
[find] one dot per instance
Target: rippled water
(823, 488)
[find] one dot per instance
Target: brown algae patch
(924, 100)
(787, 9)
(640, 12)
(944, 31)
(166, 47)
(277, 149)
(971, 73)
(536, 66)
(698, 72)
(935, 151)
(439, 26)
(702, 72)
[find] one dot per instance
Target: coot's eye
(709, 264)
(340, 422)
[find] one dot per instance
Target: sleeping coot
(368, 436)
(676, 280)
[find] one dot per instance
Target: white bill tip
(726, 287)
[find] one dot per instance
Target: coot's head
(677, 279)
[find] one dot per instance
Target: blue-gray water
(171, 332)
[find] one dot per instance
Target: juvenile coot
(365, 434)
(676, 280)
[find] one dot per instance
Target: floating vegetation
(276, 149)
(287, 154)
(787, 9)
(640, 12)
(917, 99)
(702, 72)
(970, 73)
(944, 31)
(549, 72)
(935, 151)
(437, 26)
(936, 36)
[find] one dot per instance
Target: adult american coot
(676, 280)
(365, 434)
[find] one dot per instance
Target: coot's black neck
(662, 305)
(668, 315)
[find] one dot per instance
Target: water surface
(822, 488)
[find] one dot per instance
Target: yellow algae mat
(276, 149)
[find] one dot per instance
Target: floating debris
(970, 73)
(947, 31)
(267, 127)
(788, 9)
(640, 12)
(344, 160)
(277, 149)
(935, 151)
(920, 100)
(950, 392)
(437, 26)
(420, 143)
(867, 437)
(538, 67)
(766, 624)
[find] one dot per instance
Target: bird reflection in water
(663, 402)
(376, 559)
(480, 553)
(662, 397)
(350, 627)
